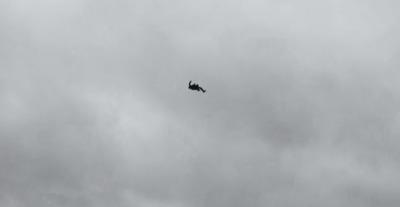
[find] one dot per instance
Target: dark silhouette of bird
(195, 87)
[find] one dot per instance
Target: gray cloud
(301, 103)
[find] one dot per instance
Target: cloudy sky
(301, 109)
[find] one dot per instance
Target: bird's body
(195, 87)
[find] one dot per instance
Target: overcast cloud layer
(301, 109)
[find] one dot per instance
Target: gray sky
(301, 109)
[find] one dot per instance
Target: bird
(195, 87)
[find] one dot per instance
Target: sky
(301, 109)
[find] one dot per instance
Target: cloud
(300, 106)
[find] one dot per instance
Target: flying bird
(195, 87)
